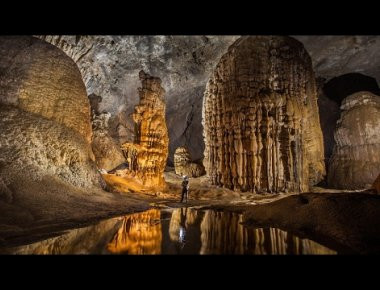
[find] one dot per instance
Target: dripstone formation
(184, 165)
(147, 156)
(355, 163)
(261, 124)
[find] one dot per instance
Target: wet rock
(183, 164)
(355, 161)
(260, 117)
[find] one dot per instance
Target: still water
(178, 231)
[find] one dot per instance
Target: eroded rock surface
(147, 156)
(355, 162)
(41, 79)
(184, 165)
(260, 117)
(108, 154)
(45, 115)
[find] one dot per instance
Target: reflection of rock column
(140, 233)
(148, 154)
(181, 217)
(222, 233)
(260, 116)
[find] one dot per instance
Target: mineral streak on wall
(138, 234)
(148, 154)
(260, 116)
(355, 162)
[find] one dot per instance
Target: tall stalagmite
(260, 117)
(147, 156)
(355, 162)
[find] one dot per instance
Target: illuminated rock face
(183, 164)
(139, 234)
(38, 78)
(260, 118)
(44, 116)
(355, 162)
(148, 154)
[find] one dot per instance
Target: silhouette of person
(185, 188)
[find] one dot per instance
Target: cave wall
(260, 117)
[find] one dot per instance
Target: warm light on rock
(139, 234)
(260, 116)
(147, 156)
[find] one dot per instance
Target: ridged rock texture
(355, 163)
(260, 117)
(44, 115)
(183, 164)
(107, 153)
(148, 154)
(40, 79)
(184, 64)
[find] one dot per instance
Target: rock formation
(147, 156)
(260, 116)
(186, 63)
(108, 154)
(355, 162)
(41, 79)
(183, 164)
(44, 116)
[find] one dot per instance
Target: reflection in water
(178, 231)
(139, 234)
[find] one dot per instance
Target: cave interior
(273, 140)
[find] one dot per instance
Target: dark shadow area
(340, 87)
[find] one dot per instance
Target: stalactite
(260, 118)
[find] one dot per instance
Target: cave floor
(351, 220)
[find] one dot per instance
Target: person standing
(185, 188)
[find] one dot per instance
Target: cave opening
(342, 86)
